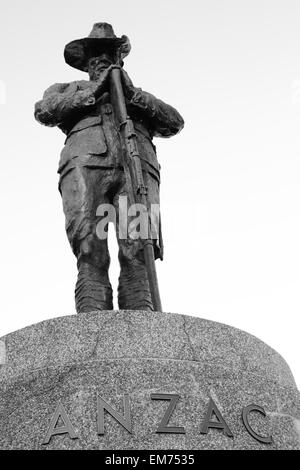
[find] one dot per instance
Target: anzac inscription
(213, 419)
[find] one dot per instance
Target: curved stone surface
(73, 360)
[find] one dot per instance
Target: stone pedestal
(140, 380)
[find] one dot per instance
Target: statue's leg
(133, 290)
(82, 192)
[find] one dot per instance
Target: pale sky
(230, 180)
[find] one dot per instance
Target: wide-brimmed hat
(101, 38)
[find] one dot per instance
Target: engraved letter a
(66, 428)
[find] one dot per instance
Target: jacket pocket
(89, 141)
(85, 123)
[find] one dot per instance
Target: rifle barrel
(134, 179)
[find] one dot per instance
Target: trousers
(88, 193)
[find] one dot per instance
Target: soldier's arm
(61, 99)
(164, 119)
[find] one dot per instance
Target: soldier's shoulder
(66, 87)
(56, 88)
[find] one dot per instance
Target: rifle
(134, 175)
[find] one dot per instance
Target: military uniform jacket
(93, 137)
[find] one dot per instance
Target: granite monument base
(138, 380)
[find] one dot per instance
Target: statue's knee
(80, 233)
(92, 250)
(131, 254)
(87, 245)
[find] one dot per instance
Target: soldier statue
(91, 165)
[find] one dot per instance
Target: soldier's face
(98, 64)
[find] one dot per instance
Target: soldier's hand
(102, 82)
(128, 86)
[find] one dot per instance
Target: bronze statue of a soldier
(92, 169)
